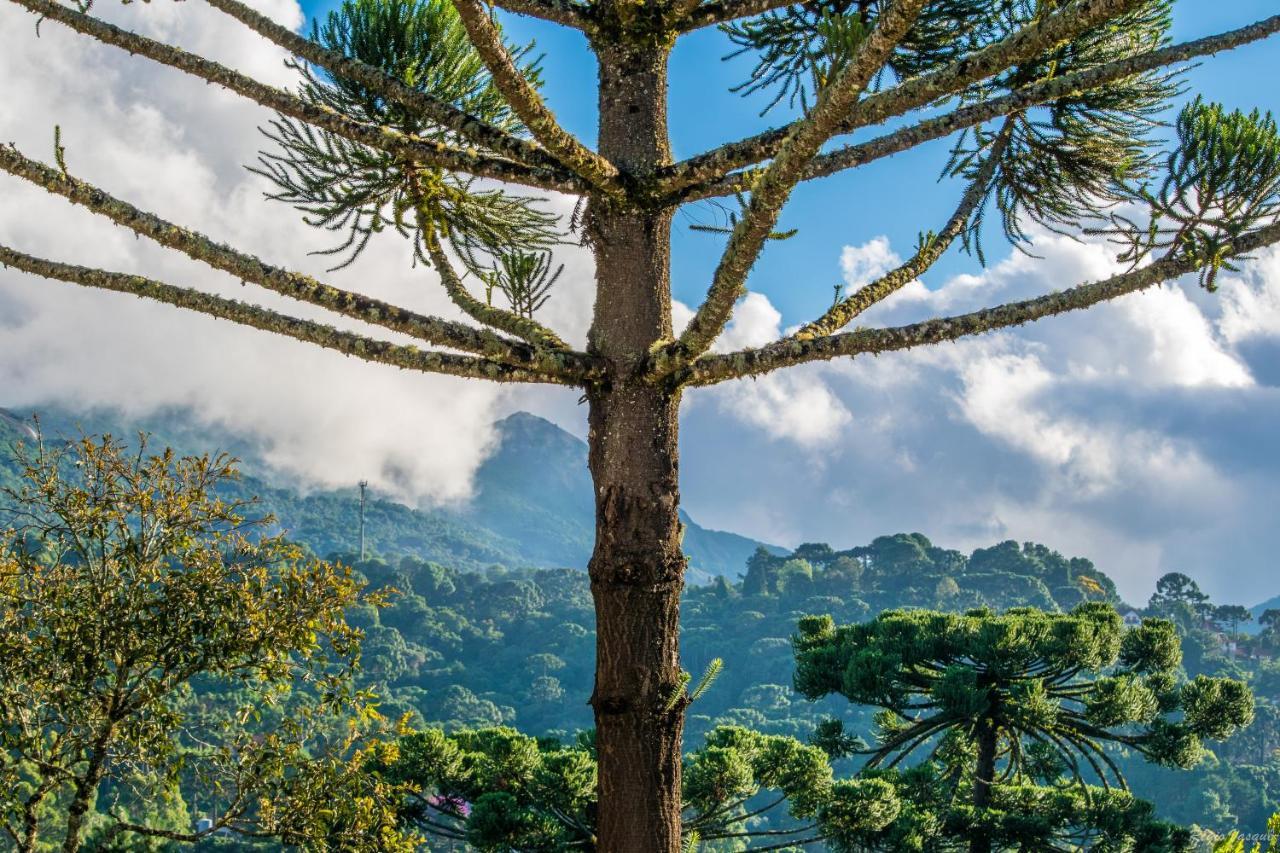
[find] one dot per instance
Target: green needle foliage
(125, 578)
(733, 217)
(1071, 158)
(799, 48)
(1057, 163)
(1022, 817)
(525, 279)
(1222, 182)
(499, 790)
(1020, 698)
(358, 191)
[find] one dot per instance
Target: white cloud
(1096, 432)
(174, 145)
(1251, 303)
(755, 323)
(864, 264)
(794, 405)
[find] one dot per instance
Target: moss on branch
(253, 316)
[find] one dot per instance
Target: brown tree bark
(637, 568)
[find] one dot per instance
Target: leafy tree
(405, 105)
(1039, 693)
(945, 590)
(761, 569)
(123, 579)
(1270, 622)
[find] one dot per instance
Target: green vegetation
(152, 644)
(420, 118)
(1002, 704)
(499, 790)
(491, 665)
(532, 505)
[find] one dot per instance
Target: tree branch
(382, 138)
(524, 327)
(568, 13)
(709, 370)
(1047, 91)
(774, 187)
(440, 112)
(527, 103)
(253, 316)
(722, 11)
(916, 92)
(433, 330)
(842, 312)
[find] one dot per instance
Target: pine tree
(406, 106)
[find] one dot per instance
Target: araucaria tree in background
(404, 104)
(1001, 704)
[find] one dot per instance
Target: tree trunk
(637, 568)
(984, 776)
(86, 791)
(636, 577)
(30, 820)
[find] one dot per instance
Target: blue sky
(898, 197)
(1143, 435)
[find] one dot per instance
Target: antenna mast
(364, 486)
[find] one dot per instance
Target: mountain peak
(535, 489)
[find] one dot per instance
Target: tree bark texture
(637, 568)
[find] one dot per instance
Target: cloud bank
(171, 144)
(1140, 433)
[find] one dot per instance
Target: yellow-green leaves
(125, 579)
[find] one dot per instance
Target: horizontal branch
(709, 370)
(723, 11)
(386, 139)
(303, 288)
(253, 316)
(442, 113)
(1045, 92)
(568, 13)
(524, 99)
(913, 93)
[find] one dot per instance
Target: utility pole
(364, 486)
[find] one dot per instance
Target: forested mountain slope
(533, 504)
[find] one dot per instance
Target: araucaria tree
(1007, 701)
(419, 116)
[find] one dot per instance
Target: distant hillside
(533, 505)
(1257, 610)
(536, 490)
